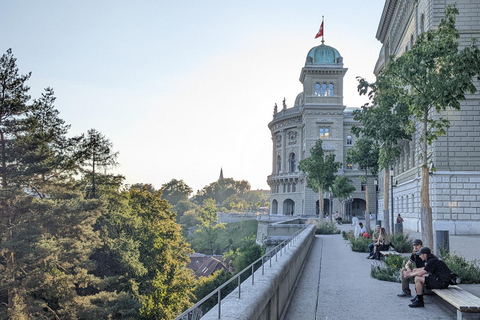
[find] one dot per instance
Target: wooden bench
(463, 300)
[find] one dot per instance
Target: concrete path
(336, 284)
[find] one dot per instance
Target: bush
(347, 235)
(359, 244)
(391, 270)
(402, 243)
(468, 271)
(326, 228)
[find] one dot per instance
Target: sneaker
(369, 256)
(404, 294)
(417, 304)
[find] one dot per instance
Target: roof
(204, 265)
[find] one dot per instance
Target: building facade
(455, 182)
(318, 113)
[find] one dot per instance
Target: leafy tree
(140, 186)
(342, 189)
(221, 190)
(182, 207)
(432, 77)
(95, 152)
(208, 228)
(175, 191)
(320, 171)
(365, 153)
(393, 115)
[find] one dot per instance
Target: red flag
(320, 32)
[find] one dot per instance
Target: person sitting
(435, 275)
(362, 229)
(374, 238)
(382, 244)
(366, 235)
(419, 263)
(337, 218)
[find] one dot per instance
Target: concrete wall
(226, 217)
(268, 298)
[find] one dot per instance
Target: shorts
(434, 283)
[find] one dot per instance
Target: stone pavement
(336, 284)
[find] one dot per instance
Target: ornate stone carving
(292, 137)
(279, 140)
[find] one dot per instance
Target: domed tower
(318, 113)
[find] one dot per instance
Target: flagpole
(323, 31)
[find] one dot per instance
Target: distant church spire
(221, 174)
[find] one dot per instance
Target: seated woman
(382, 244)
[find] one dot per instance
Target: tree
(209, 227)
(432, 77)
(175, 191)
(365, 154)
(392, 113)
(221, 190)
(320, 171)
(342, 189)
(95, 151)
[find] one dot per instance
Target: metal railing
(195, 312)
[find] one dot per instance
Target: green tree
(95, 152)
(432, 77)
(175, 191)
(182, 207)
(342, 189)
(221, 190)
(207, 233)
(365, 154)
(320, 171)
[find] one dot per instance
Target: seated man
(337, 217)
(417, 245)
(435, 275)
(375, 239)
(362, 229)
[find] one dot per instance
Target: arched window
(330, 90)
(349, 139)
(317, 89)
(327, 134)
(422, 23)
(279, 164)
(293, 162)
(322, 133)
(411, 41)
(324, 89)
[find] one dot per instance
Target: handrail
(189, 313)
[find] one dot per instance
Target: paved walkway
(336, 284)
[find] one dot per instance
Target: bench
(462, 300)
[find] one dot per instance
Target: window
(293, 162)
(363, 186)
(422, 23)
(279, 164)
(317, 90)
(294, 187)
(324, 89)
(330, 90)
(349, 166)
(324, 133)
(349, 139)
(327, 134)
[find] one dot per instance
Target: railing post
(253, 274)
(219, 303)
(239, 287)
(263, 266)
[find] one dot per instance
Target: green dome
(324, 54)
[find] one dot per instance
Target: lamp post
(391, 192)
(375, 182)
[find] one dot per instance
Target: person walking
(356, 224)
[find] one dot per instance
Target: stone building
(318, 113)
(455, 184)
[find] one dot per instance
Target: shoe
(404, 294)
(414, 299)
(417, 304)
(369, 257)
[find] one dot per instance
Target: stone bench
(462, 300)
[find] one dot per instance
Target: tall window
(327, 133)
(324, 89)
(349, 139)
(293, 162)
(422, 23)
(279, 164)
(318, 89)
(363, 186)
(349, 166)
(330, 89)
(324, 133)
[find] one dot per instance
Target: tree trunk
(367, 211)
(320, 203)
(426, 210)
(386, 189)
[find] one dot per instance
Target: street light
(391, 192)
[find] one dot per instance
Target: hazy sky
(184, 88)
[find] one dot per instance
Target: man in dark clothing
(435, 275)
(405, 273)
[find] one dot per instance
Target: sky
(183, 88)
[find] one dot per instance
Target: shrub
(359, 244)
(347, 235)
(326, 228)
(468, 271)
(402, 243)
(390, 271)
